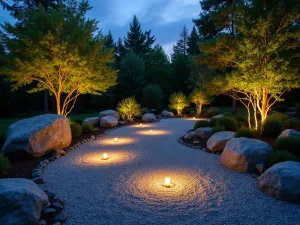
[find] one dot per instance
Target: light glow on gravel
(120, 141)
(154, 132)
(189, 192)
(95, 159)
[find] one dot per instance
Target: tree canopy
(58, 51)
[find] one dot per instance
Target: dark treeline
(144, 69)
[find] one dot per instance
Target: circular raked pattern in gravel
(189, 192)
(95, 159)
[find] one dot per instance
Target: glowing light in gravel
(96, 159)
(117, 141)
(154, 132)
(167, 181)
(105, 156)
(188, 192)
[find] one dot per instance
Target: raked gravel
(127, 188)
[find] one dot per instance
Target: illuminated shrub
(201, 123)
(244, 132)
(178, 101)
(279, 156)
(228, 123)
(4, 164)
(290, 144)
(87, 128)
(272, 128)
(76, 129)
(284, 119)
(128, 108)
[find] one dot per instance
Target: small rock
(121, 122)
(93, 137)
(42, 222)
(61, 152)
(38, 180)
(196, 142)
(61, 217)
(57, 223)
(46, 161)
(260, 168)
(36, 174)
(57, 205)
(49, 211)
(59, 200)
(51, 159)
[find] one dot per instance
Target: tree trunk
(46, 109)
(58, 110)
(264, 111)
(199, 109)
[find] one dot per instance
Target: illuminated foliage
(58, 51)
(128, 108)
(178, 101)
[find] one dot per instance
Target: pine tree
(136, 41)
(120, 50)
(181, 46)
(109, 41)
(193, 39)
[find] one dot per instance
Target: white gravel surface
(127, 188)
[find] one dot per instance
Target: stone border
(181, 141)
(55, 209)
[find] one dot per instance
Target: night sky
(165, 18)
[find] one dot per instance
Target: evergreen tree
(120, 51)
(131, 76)
(181, 46)
(109, 41)
(193, 39)
(158, 69)
(136, 41)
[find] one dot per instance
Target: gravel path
(127, 188)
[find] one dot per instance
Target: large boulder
(37, 135)
(108, 122)
(203, 132)
(149, 117)
(94, 121)
(282, 181)
(21, 202)
(217, 141)
(289, 133)
(243, 154)
(109, 113)
(166, 113)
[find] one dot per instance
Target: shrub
(229, 123)
(4, 164)
(241, 118)
(178, 101)
(153, 96)
(78, 121)
(290, 144)
(279, 156)
(76, 129)
(201, 123)
(284, 119)
(87, 128)
(244, 132)
(217, 129)
(144, 110)
(281, 108)
(128, 108)
(212, 112)
(271, 128)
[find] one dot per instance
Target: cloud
(168, 47)
(177, 10)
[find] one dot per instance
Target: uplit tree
(263, 56)
(178, 101)
(58, 51)
(199, 98)
(128, 108)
